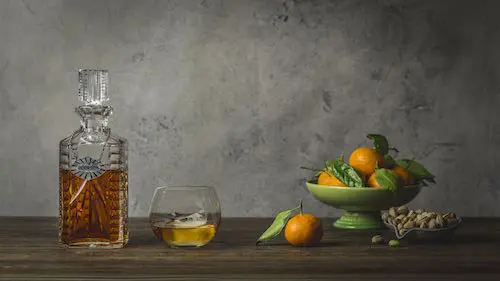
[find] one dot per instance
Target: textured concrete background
(239, 94)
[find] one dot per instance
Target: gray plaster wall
(239, 94)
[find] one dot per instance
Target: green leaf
(387, 179)
(380, 143)
(417, 170)
(277, 226)
(389, 161)
(329, 163)
(344, 172)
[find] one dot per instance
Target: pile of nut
(404, 219)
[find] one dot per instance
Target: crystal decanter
(93, 178)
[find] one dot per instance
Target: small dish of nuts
(421, 224)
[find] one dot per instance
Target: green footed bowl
(362, 205)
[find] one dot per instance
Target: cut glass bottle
(93, 173)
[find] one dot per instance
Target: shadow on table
(469, 239)
(474, 239)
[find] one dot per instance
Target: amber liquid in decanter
(94, 216)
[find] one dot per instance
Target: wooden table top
(29, 251)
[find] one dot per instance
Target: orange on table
(304, 230)
(365, 160)
(405, 177)
(326, 178)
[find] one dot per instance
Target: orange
(405, 177)
(304, 230)
(365, 160)
(330, 180)
(372, 181)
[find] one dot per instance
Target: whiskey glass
(185, 216)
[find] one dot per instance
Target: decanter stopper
(93, 86)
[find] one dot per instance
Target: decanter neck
(94, 118)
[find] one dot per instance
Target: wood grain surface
(29, 251)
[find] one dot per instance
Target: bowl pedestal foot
(360, 220)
